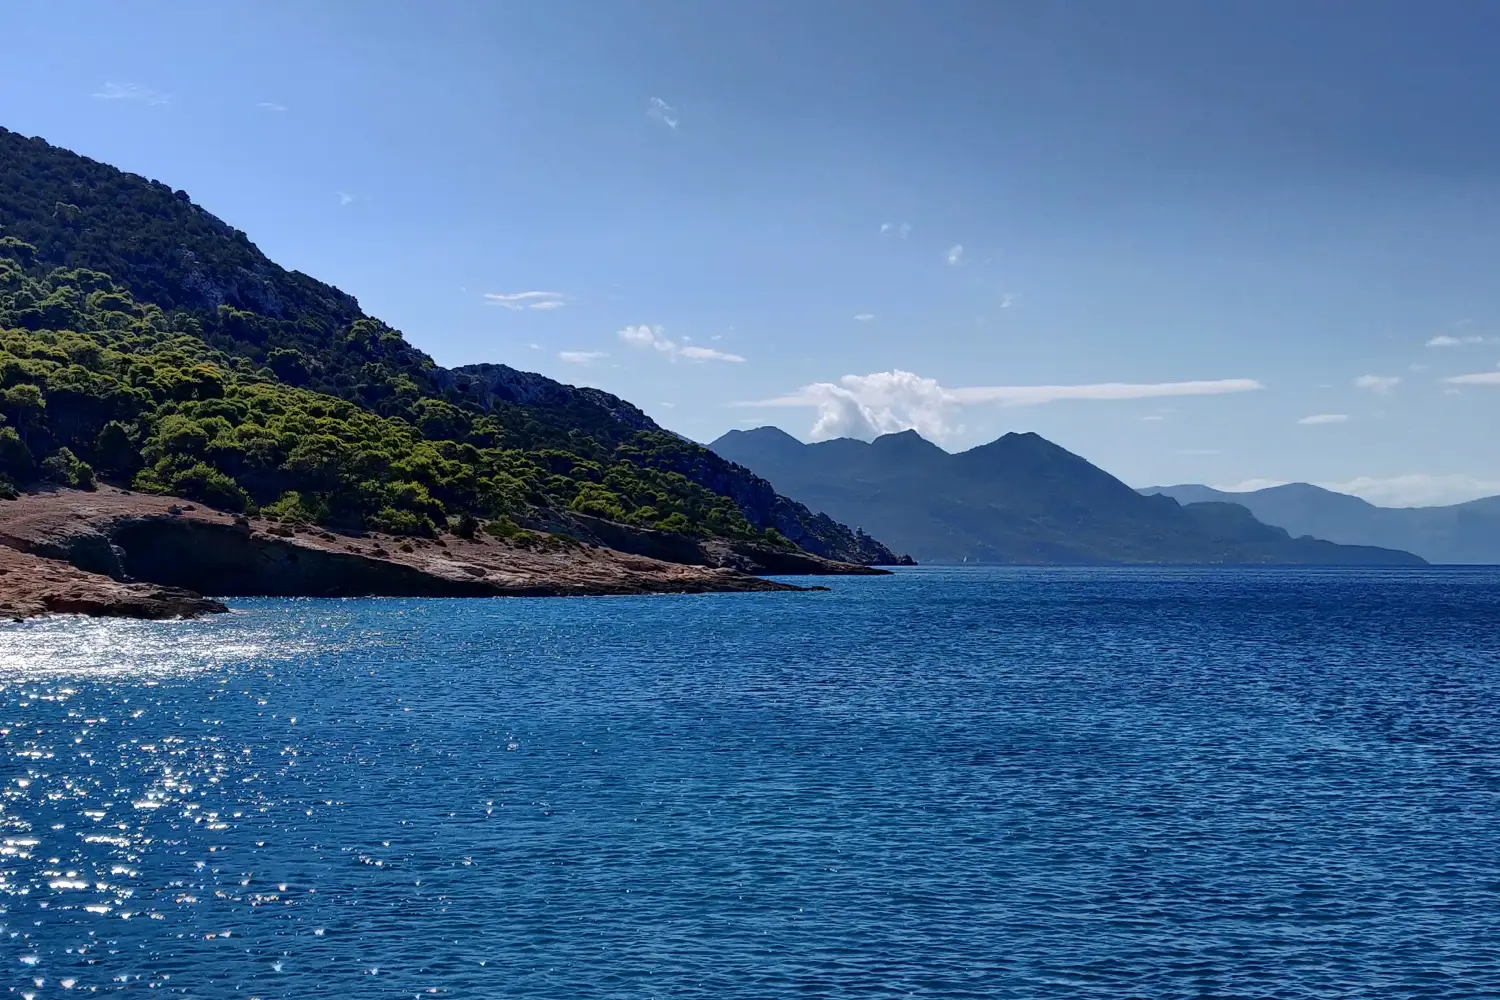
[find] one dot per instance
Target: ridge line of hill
(1462, 533)
(1019, 499)
(146, 343)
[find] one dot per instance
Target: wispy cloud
(270, 106)
(1035, 395)
(581, 357)
(1446, 340)
(663, 112)
(865, 406)
(902, 230)
(650, 338)
(1412, 490)
(344, 198)
(1250, 485)
(1378, 383)
(526, 300)
(1325, 418)
(864, 317)
(132, 92)
(955, 254)
(1416, 489)
(1200, 451)
(1008, 299)
(709, 354)
(1478, 378)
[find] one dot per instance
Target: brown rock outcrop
(31, 585)
(117, 552)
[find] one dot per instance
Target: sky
(1235, 243)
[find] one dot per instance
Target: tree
(16, 461)
(114, 452)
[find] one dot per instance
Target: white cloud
(955, 255)
(1444, 340)
(1478, 378)
(1417, 489)
(581, 357)
(1251, 485)
(1008, 299)
(1378, 383)
(645, 337)
(535, 347)
(663, 112)
(865, 406)
(344, 199)
(864, 317)
(903, 230)
(132, 92)
(886, 227)
(526, 300)
(1325, 418)
(270, 106)
(1035, 395)
(1413, 490)
(1154, 418)
(708, 354)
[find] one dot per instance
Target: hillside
(1019, 499)
(1457, 533)
(146, 342)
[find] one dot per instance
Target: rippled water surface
(945, 784)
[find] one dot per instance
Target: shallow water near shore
(946, 783)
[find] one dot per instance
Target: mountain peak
(906, 440)
(766, 432)
(1018, 499)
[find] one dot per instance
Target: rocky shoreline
(112, 552)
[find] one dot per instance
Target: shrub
(16, 461)
(677, 522)
(292, 508)
(208, 486)
(114, 451)
(67, 469)
(402, 522)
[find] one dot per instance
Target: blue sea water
(945, 784)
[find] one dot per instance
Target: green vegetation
(92, 382)
(161, 349)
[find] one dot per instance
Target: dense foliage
(145, 341)
(93, 383)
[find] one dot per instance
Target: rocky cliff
(114, 552)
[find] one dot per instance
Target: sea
(947, 783)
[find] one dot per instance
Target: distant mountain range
(1461, 533)
(1020, 499)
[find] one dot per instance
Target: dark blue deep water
(1004, 783)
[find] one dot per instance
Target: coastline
(113, 552)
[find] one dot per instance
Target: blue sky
(1225, 234)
